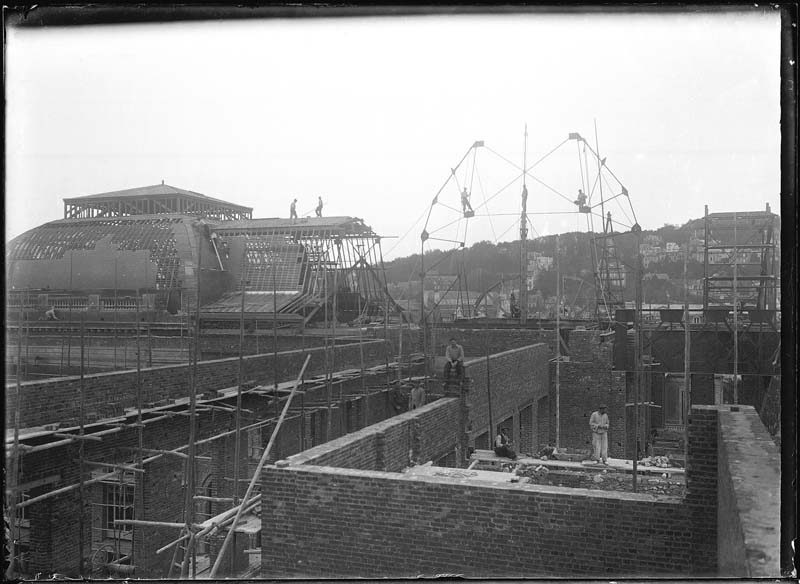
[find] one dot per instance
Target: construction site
(196, 393)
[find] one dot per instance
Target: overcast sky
(372, 113)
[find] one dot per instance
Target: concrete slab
(615, 464)
(488, 476)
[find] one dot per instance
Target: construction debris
(659, 461)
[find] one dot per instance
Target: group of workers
(293, 208)
(598, 422)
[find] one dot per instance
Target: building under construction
(242, 428)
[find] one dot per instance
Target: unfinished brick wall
(518, 378)
(411, 339)
(369, 523)
(701, 488)
(748, 503)
(108, 394)
(160, 490)
(476, 340)
(377, 524)
(219, 346)
(426, 433)
(587, 380)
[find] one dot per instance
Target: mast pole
(523, 236)
(735, 314)
(686, 352)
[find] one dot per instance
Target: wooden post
(257, 473)
(637, 359)
(687, 387)
(81, 493)
(558, 348)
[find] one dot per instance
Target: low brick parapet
(749, 480)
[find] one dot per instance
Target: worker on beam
(581, 202)
(465, 204)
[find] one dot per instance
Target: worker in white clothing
(417, 397)
(599, 425)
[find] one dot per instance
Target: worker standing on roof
(318, 210)
(599, 425)
(293, 210)
(502, 445)
(465, 204)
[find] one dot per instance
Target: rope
(483, 195)
(445, 226)
(598, 284)
(514, 224)
(580, 164)
(544, 184)
(406, 233)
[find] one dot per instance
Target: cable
(402, 237)
(483, 195)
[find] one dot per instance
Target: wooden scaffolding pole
(257, 473)
(81, 490)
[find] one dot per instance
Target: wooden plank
(48, 480)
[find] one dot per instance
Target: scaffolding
(741, 255)
(156, 199)
(114, 501)
(299, 268)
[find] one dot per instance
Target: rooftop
(161, 190)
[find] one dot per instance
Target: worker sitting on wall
(502, 445)
(51, 314)
(599, 425)
(455, 358)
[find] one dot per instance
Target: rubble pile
(659, 461)
(607, 480)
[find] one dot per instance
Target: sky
(373, 113)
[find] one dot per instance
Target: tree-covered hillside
(485, 263)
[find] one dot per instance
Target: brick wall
(748, 512)
(701, 488)
(587, 380)
(517, 379)
(107, 394)
(160, 490)
(369, 523)
(426, 433)
(377, 524)
(475, 340)
(411, 338)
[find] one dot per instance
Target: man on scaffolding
(466, 207)
(581, 202)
